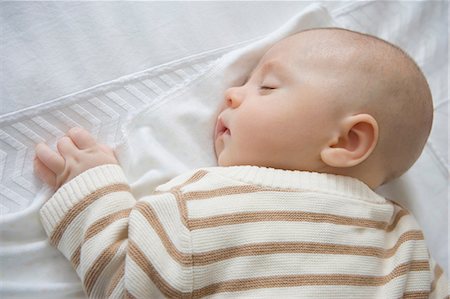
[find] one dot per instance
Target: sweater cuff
(76, 190)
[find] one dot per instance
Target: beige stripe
(396, 220)
(271, 282)
(152, 219)
(181, 203)
(102, 223)
(99, 265)
(247, 217)
(140, 259)
(302, 247)
(75, 258)
(79, 207)
(416, 295)
(437, 274)
(267, 248)
(115, 279)
(308, 280)
(232, 190)
(128, 295)
(95, 228)
(194, 178)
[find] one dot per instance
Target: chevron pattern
(101, 109)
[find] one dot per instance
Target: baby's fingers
(66, 147)
(44, 173)
(52, 160)
(82, 138)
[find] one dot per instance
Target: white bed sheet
(51, 50)
(57, 48)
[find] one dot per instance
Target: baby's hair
(405, 111)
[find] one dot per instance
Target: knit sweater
(239, 232)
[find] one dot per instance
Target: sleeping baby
(326, 116)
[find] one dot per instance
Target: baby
(326, 116)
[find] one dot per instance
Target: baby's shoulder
(402, 220)
(182, 179)
(201, 179)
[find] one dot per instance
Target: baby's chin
(222, 160)
(218, 150)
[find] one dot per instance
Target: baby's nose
(234, 97)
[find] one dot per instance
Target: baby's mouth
(221, 128)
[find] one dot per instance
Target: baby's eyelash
(267, 87)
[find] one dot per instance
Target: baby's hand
(77, 152)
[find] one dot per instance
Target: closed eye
(266, 88)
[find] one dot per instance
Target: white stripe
(138, 283)
(442, 287)
(415, 280)
(118, 291)
(323, 292)
(180, 277)
(418, 281)
(285, 201)
(72, 236)
(101, 284)
(109, 203)
(393, 289)
(278, 231)
(299, 264)
(95, 246)
(168, 214)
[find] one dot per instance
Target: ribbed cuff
(75, 190)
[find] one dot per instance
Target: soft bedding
(161, 119)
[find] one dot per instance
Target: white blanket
(174, 133)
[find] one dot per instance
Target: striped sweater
(239, 232)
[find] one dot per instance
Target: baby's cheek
(250, 144)
(218, 148)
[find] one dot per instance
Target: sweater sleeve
(118, 246)
(439, 285)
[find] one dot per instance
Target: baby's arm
(98, 225)
(77, 152)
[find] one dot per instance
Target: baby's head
(332, 101)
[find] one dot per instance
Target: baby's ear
(353, 143)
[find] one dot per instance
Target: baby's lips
(221, 128)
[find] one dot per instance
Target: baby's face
(283, 115)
